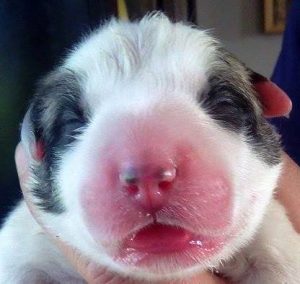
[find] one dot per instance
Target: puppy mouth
(159, 238)
(161, 242)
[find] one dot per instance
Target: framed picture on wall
(275, 12)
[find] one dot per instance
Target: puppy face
(149, 150)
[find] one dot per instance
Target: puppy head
(149, 150)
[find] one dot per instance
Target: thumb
(90, 272)
(22, 165)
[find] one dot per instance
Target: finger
(23, 171)
(22, 165)
(275, 101)
(206, 278)
(289, 190)
(89, 271)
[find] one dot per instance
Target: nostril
(129, 177)
(131, 188)
(167, 175)
(129, 180)
(166, 178)
(165, 185)
(148, 185)
(146, 178)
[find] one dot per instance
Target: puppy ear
(274, 100)
(33, 148)
(55, 112)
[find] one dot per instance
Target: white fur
(113, 57)
(23, 249)
(132, 69)
(273, 256)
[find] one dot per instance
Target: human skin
(275, 103)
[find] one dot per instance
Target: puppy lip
(158, 238)
(159, 246)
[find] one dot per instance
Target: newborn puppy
(150, 155)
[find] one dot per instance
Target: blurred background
(35, 35)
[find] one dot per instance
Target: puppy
(150, 155)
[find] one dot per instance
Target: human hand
(275, 104)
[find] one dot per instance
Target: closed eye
(228, 107)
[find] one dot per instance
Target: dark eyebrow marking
(56, 115)
(232, 103)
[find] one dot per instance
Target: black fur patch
(56, 115)
(232, 102)
(226, 105)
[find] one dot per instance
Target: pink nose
(148, 186)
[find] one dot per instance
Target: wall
(238, 23)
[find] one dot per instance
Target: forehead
(153, 54)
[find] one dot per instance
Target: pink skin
(159, 200)
(275, 102)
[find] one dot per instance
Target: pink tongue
(160, 238)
